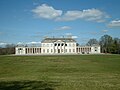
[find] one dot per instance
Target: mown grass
(73, 72)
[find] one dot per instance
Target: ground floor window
(73, 50)
(43, 50)
(69, 50)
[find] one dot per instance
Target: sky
(30, 21)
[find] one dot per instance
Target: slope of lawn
(69, 72)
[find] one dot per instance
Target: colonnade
(33, 50)
(83, 49)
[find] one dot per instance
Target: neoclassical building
(57, 46)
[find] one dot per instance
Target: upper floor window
(58, 44)
(47, 45)
(70, 45)
(62, 44)
(43, 45)
(73, 44)
(65, 44)
(51, 45)
(55, 44)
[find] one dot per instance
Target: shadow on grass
(28, 85)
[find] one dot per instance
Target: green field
(75, 72)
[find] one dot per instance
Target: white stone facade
(58, 46)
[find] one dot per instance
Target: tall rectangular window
(55, 44)
(73, 50)
(43, 50)
(65, 44)
(69, 50)
(65, 50)
(58, 44)
(47, 50)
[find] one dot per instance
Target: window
(69, 50)
(73, 50)
(58, 44)
(18, 51)
(70, 45)
(43, 50)
(47, 45)
(73, 44)
(65, 44)
(47, 50)
(96, 49)
(65, 50)
(55, 44)
(62, 50)
(62, 44)
(51, 45)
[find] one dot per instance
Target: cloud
(34, 43)
(47, 12)
(89, 15)
(2, 43)
(114, 23)
(104, 31)
(22, 43)
(74, 36)
(64, 28)
(19, 43)
(70, 35)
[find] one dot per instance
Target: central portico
(58, 45)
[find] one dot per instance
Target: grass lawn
(74, 72)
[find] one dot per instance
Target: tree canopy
(107, 43)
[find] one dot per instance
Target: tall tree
(116, 43)
(92, 42)
(106, 42)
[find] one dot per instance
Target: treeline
(8, 49)
(107, 43)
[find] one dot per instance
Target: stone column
(31, 50)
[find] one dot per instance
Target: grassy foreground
(77, 72)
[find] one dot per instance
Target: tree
(92, 42)
(8, 49)
(116, 43)
(106, 43)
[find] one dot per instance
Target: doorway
(58, 50)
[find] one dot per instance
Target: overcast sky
(29, 21)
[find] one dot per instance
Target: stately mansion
(52, 46)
